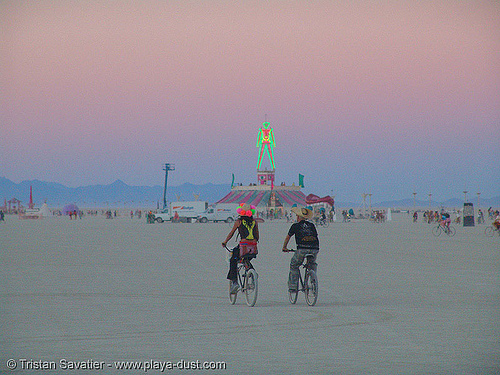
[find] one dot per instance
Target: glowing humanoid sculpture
(266, 143)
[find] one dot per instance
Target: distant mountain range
(118, 194)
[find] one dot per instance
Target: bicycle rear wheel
(232, 296)
(489, 231)
(251, 287)
(311, 287)
(436, 230)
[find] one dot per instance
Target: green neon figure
(266, 143)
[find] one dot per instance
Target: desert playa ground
(393, 299)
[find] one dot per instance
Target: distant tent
(44, 210)
(70, 208)
(312, 199)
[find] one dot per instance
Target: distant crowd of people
(430, 216)
(137, 213)
(75, 214)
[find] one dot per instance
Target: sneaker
(234, 287)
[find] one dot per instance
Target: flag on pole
(301, 180)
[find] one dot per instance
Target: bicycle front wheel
(489, 231)
(292, 296)
(311, 288)
(251, 287)
(436, 231)
(451, 231)
(326, 224)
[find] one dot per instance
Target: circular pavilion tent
(70, 208)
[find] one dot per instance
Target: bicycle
(323, 223)
(490, 231)
(247, 281)
(308, 285)
(450, 231)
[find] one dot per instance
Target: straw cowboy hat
(306, 213)
(245, 206)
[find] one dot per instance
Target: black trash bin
(468, 215)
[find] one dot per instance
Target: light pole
(465, 195)
(168, 167)
(430, 195)
(364, 195)
(478, 194)
(370, 195)
(414, 204)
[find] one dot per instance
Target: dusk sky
(387, 97)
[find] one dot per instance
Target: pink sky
(382, 96)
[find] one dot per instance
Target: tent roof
(70, 207)
(260, 198)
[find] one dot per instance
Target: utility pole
(364, 195)
(168, 167)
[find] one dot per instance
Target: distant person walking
(480, 217)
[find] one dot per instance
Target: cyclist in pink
(445, 219)
(248, 230)
(496, 222)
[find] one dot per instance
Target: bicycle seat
(248, 257)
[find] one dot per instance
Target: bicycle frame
(243, 266)
(306, 266)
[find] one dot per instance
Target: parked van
(221, 212)
(162, 216)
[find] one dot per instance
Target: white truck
(162, 216)
(221, 212)
(187, 211)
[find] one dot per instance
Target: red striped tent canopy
(260, 198)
